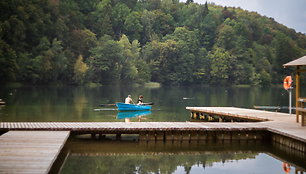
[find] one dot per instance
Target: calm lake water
(118, 157)
(81, 103)
(84, 155)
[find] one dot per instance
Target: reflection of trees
(135, 163)
(80, 101)
(133, 157)
(106, 156)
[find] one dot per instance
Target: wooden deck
(32, 147)
(277, 122)
(30, 151)
(130, 127)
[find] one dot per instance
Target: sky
(291, 13)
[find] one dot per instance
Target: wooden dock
(44, 140)
(276, 122)
(30, 151)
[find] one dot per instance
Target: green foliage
(164, 41)
(81, 41)
(101, 19)
(80, 69)
(119, 14)
(106, 61)
(222, 66)
(133, 26)
(8, 64)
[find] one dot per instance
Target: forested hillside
(130, 41)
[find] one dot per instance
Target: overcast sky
(291, 13)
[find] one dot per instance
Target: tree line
(137, 41)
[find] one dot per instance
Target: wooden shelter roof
(297, 62)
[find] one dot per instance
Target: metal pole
(290, 100)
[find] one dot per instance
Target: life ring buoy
(288, 82)
(286, 167)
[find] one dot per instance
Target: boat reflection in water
(131, 114)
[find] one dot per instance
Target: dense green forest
(137, 41)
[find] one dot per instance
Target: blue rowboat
(122, 115)
(132, 107)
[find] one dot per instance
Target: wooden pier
(30, 151)
(285, 130)
(27, 137)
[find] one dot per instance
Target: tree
(222, 64)
(202, 13)
(202, 67)
(50, 65)
(141, 65)
(132, 26)
(166, 41)
(226, 37)
(81, 41)
(128, 68)
(153, 4)
(175, 63)
(286, 50)
(119, 15)
(147, 20)
(188, 15)
(151, 54)
(227, 13)
(8, 64)
(188, 2)
(163, 23)
(185, 36)
(102, 23)
(106, 61)
(80, 69)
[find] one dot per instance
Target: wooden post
(118, 136)
(169, 136)
(151, 136)
(297, 92)
(202, 136)
(193, 136)
(186, 136)
(143, 136)
(160, 136)
(93, 136)
(177, 136)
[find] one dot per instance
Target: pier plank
(30, 151)
(280, 123)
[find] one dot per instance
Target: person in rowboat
(140, 102)
(129, 100)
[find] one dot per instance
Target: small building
(300, 65)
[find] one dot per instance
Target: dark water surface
(118, 157)
(85, 155)
(82, 103)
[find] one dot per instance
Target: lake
(128, 156)
(85, 155)
(82, 103)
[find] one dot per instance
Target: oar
(103, 105)
(150, 103)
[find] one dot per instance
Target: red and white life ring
(288, 82)
(286, 167)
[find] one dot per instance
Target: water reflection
(130, 114)
(122, 115)
(79, 103)
(175, 157)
